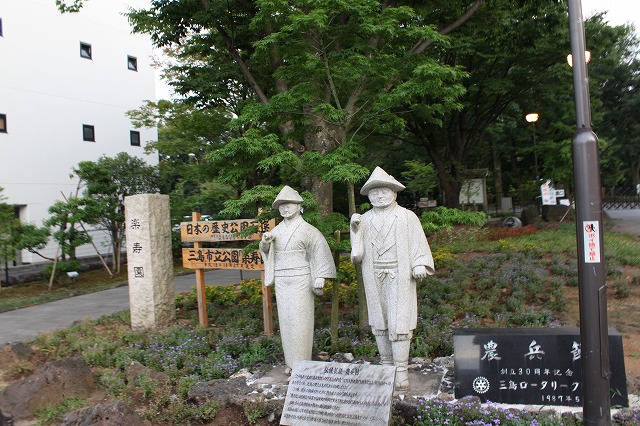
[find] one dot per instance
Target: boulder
(232, 391)
(108, 414)
(49, 385)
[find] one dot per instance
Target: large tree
(511, 51)
(318, 72)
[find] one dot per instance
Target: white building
(66, 81)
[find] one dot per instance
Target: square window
(134, 136)
(132, 63)
(85, 50)
(3, 123)
(88, 133)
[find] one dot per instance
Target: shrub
(445, 218)
(62, 268)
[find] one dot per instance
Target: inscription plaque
(331, 393)
(540, 366)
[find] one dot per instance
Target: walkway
(26, 323)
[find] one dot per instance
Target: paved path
(27, 323)
(626, 220)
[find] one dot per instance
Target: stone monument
(390, 243)
(149, 260)
(298, 260)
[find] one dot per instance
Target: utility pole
(594, 333)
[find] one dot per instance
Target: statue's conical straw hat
(287, 195)
(380, 178)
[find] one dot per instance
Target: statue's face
(382, 196)
(288, 210)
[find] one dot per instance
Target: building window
(132, 63)
(88, 133)
(1, 33)
(85, 50)
(3, 123)
(134, 136)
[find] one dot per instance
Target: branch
(422, 45)
(243, 67)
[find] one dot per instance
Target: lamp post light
(532, 118)
(587, 58)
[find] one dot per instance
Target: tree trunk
(363, 313)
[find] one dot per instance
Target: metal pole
(591, 271)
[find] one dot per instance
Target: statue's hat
(380, 178)
(287, 195)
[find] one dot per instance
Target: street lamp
(532, 118)
(587, 57)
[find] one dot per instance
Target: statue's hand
(267, 237)
(420, 272)
(355, 221)
(318, 285)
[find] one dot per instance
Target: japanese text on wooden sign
(213, 258)
(222, 230)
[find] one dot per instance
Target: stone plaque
(330, 393)
(540, 366)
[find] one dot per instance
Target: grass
(33, 293)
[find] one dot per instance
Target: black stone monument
(539, 366)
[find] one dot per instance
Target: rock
(445, 362)
(108, 414)
(323, 356)
(348, 356)
(530, 216)
(5, 421)
(232, 391)
(136, 369)
(555, 213)
(49, 385)
(512, 222)
(407, 409)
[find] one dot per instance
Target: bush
(62, 268)
(444, 218)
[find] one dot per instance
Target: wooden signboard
(214, 258)
(200, 258)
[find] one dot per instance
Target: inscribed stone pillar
(149, 260)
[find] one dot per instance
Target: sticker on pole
(591, 231)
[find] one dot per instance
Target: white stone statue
(390, 243)
(298, 260)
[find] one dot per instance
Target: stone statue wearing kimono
(298, 260)
(390, 243)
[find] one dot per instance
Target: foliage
(62, 267)
(304, 79)
(65, 217)
(435, 412)
(440, 218)
(421, 178)
(56, 412)
(107, 182)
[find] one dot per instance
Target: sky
(618, 12)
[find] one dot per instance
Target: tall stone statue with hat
(298, 260)
(390, 243)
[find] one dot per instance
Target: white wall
(48, 91)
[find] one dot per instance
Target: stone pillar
(149, 260)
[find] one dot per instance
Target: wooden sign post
(201, 258)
